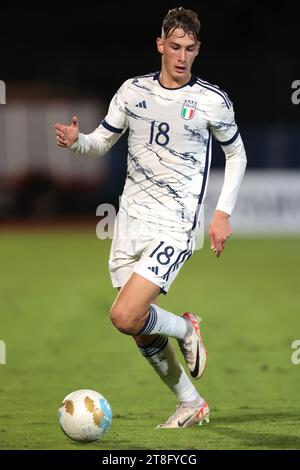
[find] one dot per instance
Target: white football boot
(192, 347)
(186, 416)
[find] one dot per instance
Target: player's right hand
(67, 135)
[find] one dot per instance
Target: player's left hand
(219, 232)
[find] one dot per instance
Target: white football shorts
(155, 253)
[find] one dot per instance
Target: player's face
(178, 54)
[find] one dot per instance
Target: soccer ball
(85, 415)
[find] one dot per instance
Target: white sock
(161, 355)
(159, 321)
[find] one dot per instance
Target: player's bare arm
(66, 136)
(219, 231)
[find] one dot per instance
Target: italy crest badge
(188, 109)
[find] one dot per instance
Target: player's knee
(122, 320)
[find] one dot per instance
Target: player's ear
(160, 45)
(198, 47)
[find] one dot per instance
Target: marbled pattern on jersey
(169, 145)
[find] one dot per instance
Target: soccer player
(171, 116)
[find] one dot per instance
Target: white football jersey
(169, 146)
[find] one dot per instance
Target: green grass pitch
(55, 294)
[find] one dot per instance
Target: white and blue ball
(85, 415)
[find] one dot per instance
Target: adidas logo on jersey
(142, 104)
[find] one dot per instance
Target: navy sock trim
(150, 322)
(158, 345)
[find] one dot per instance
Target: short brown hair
(187, 20)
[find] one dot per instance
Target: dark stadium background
(63, 52)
